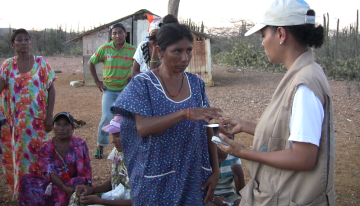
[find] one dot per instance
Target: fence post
(357, 33)
(337, 40)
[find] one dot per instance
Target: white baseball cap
(284, 13)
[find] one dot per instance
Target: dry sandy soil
(240, 94)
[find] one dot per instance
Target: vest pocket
(323, 200)
(253, 196)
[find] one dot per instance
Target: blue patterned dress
(167, 168)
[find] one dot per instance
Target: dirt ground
(242, 94)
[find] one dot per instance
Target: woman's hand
(235, 148)
(233, 126)
(68, 190)
(210, 183)
(48, 123)
(205, 114)
(91, 199)
(83, 190)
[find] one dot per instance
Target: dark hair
(171, 33)
(306, 33)
(16, 32)
(117, 25)
(170, 19)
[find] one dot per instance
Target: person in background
(146, 58)
(169, 154)
(117, 58)
(292, 158)
(28, 98)
(231, 174)
(115, 191)
(65, 163)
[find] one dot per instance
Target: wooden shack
(136, 26)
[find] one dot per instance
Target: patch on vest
(264, 148)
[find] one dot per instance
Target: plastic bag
(119, 193)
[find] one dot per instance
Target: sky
(40, 14)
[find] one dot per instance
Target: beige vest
(272, 186)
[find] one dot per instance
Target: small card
(217, 141)
(211, 125)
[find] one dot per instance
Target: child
(230, 172)
(117, 190)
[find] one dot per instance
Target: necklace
(182, 81)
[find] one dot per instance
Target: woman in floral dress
(64, 162)
(28, 96)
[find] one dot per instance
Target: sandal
(98, 154)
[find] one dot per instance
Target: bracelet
(154, 61)
(214, 198)
(188, 114)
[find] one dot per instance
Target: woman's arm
(153, 125)
(55, 179)
(301, 157)
(85, 190)
(213, 180)
(154, 56)
(135, 69)
(50, 108)
(104, 187)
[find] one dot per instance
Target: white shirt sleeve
(139, 58)
(307, 116)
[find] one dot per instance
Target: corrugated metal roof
(138, 12)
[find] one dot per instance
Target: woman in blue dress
(168, 152)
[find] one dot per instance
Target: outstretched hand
(83, 190)
(205, 114)
(231, 126)
(235, 148)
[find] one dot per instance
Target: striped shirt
(117, 64)
(226, 180)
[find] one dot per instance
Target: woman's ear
(282, 34)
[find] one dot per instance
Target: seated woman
(117, 190)
(64, 162)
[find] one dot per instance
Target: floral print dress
(25, 100)
(74, 169)
(119, 174)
